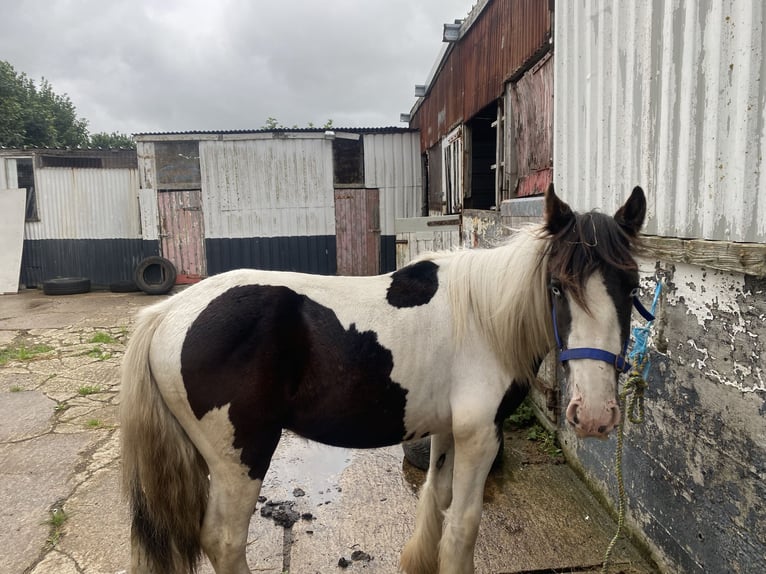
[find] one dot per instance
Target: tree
(112, 140)
(35, 116)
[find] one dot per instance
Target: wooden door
(357, 231)
(182, 236)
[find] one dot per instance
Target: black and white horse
(445, 347)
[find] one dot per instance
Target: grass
(94, 423)
(86, 390)
(56, 523)
(98, 354)
(546, 440)
(22, 353)
(101, 337)
(60, 408)
(16, 389)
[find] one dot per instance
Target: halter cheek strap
(619, 362)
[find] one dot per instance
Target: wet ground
(323, 509)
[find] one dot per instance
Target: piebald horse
(446, 346)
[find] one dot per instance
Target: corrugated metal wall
(500, 40)
(267, 188)
(77, 203)
(670, 95)
(392, 165)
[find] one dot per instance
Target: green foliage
(546, 441)
(523, 416)
(113, 140)
(35, 116)
(101, 337)
(86, 390)
(274, 124)
(22, 353)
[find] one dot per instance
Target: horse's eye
(555, 290)
(635, 292)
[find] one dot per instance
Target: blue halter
(619, 362)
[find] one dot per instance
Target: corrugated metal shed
(670, 95)
(494, 44)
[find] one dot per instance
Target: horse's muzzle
(588, 422)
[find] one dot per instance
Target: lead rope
(632, 404)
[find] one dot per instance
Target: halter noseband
(619, 362)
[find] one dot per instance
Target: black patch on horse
(413, 285)
(281, 360)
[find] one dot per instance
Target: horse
(446, 347)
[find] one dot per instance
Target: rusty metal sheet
(501, 39)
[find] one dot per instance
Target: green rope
(632, 404)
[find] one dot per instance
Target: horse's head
(593, 282)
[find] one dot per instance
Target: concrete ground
(62, 512)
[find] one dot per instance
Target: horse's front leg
(420, 554)
(476, 444)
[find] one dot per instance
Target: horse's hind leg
(420, 555)
(232, 499)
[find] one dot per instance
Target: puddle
(312, 467)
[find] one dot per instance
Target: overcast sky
(182, 65)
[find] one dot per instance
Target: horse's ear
(631, 215)
(558, 214)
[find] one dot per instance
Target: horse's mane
(591, 241)
(502, 292)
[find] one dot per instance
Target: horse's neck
(501, 293)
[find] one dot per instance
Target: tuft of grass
(101, 337)
(94, 423)
(56, 523)
(546, 440)
(16, 389)
(22, 353)
(98, 354)
(86, 390)
(60, 408)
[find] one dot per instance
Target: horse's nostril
(575, 418)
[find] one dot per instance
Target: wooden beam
(747, 258)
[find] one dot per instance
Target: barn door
(182, 236)
(357, 231)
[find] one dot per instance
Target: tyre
(66, 285)
(127, 286)
(155, 275)
(418, 453)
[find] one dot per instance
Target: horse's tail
(164, 476)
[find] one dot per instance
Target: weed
(16, 389)
(60, 408)
(86, 390)
(56, 523)
(546, 440)
(94, 423)
(98, 354)
(101, 337)
(22, 353)
(523, 416)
